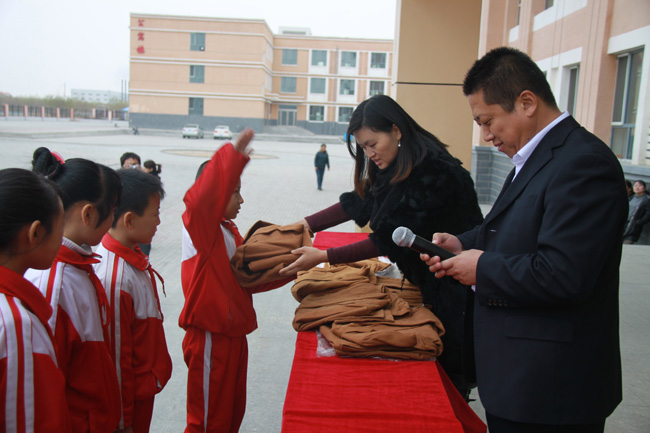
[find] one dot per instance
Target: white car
(222, 131)
(192, 130)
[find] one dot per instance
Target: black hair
(200, 170)
(137, 188)
(380, 113)
(81, 180)
(25, 197)
(127, 155)
(156, 169)
(502, 74)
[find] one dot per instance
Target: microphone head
(403, 237)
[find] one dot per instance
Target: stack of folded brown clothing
(267, 249)
(361, 314)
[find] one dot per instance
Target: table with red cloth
(358, 395)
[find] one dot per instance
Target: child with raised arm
(137, 337)
(32, 387)
(90, 193)
(218, 313)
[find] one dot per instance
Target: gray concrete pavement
(279, 186)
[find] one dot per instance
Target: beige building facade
(214, 71)
(592, 52)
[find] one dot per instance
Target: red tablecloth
(357, 395)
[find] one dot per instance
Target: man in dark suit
(545, 262)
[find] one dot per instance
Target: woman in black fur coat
(404, 176)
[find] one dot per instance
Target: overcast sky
(48, 46)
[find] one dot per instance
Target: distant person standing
(639, 213)
(321, 160)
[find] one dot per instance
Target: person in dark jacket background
(321, 160)
(639, 213)
(404, 176)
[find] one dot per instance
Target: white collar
(520, 158)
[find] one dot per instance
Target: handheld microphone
(404, 237)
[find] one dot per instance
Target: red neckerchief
(230, 225)
(15, 285)
(83, 262)
(137, 259)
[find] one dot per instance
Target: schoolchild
(218, 313)
(32, 387)
(90, 192)
(137, 337)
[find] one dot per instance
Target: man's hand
(309, 257)
(462, 267)
(244, 140)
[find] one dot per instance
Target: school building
(236, 72)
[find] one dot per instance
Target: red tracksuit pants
(216, 381)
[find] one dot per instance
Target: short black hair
(25, 197)
(137, 188)
(200, 169)
(128, 155)
(502, 74)
(80, 180)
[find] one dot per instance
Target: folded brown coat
(420, 329)
(358, 299)
(267, 249)
(334, 276)
(402, 288)
(347, 348)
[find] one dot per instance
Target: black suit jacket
(546, 306)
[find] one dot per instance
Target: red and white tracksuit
(136, 333)
(218, 313)
(80, 325)
(32, 388)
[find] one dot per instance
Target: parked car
(192, 130)
(222, 131)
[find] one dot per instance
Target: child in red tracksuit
(137, 337)
(218, 313)
(90, 193)
(32, 387)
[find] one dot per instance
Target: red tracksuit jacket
(214, 301)
(79, 323)
(136, 333)
(32, 388)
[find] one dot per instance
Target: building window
(378, 60)
(319, 58)
(288, 85)
(317, 85)
(196, 106)
(376, 88)
(348, 59)
(548, 4)
(626, 97)
(316, 113)
(197, 73)
(197, 42)
(345, 113)
(289, 57)
(574, 73)
(347, 87)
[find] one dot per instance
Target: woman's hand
(309, 257)
(304, 223)
(244, 140)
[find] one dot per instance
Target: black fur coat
(438, 196)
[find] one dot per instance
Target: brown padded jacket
(267, 249)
